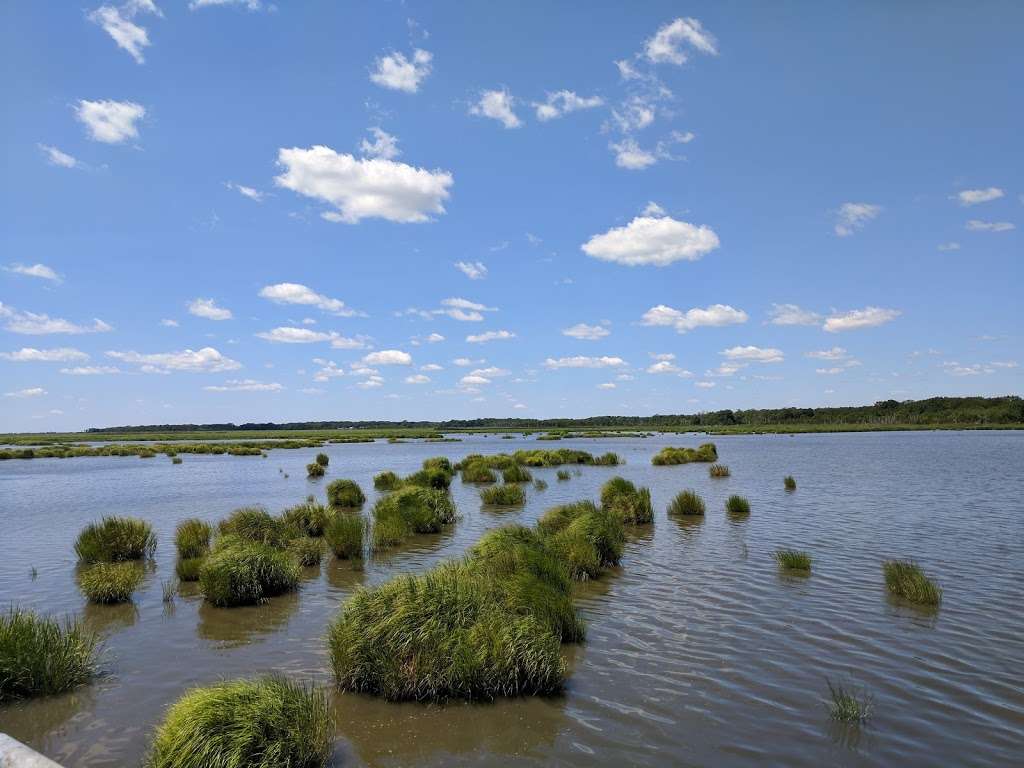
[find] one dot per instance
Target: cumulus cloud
(606, 385)
(41, 271)
(465, 362)
(586, 332)
(712, 316)
(860, 318)
(118, 23)
(853, 216)
(666, 366)
(32, 324)
(61, 159)
(388, 357)
(251, 192)
(482, 338)
(952, 245)
(384, 145)
(33, 355)
(669, 43)
(364, 188)
(302, 295)
(754, 354)
(205, 360)
(29, 392)
(91, 370)
(250, 5)
(431, 367)
(974, 225)
(169, 323)
(293, 335)
(111, 122)
(631, 156)
(649, 240)
(835, 353)
(417, 378)
(474, 270)
(704, 384)
(399, 73)
(497, 105)
(969, 197)
(463, 310)
(791, 314)
(583, 361)
(561, 103)
(208, 308)
(244, 385)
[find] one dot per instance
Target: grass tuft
(408, 511)
(307, 550)
(323, 459)
(309, 518)
(345, 494)
(718, 470)
(737, 505)
(345, 534)
(669, 456)
(686, 502)
(503, 496)
(115, 539)
(387, 481)
(192, 537)
(187, 568)
(631, 504)
(256, 525)
(848, 705)
(40, 656)
(516, 474)
(267, 723)
(110, 582)
(478, 472)
(789, 483)
(245, 573)
(563, 474)
(905, 579)
(793, 560)
(314, 469)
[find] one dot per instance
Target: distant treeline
(964, 411)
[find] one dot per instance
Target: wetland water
(699, 651)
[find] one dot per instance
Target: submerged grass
(503, 496)
(793, 560)
(187, 568)
(737, 505)
(789, 483)
(115, 539)
(848, 705)
(345, 534)
(669, 456)
(266, 723)
(686, 502)
(631, 504)
(345, 494)
(192, 537)
(563, 474)
(718, 470)
(40, 656)
(905, 579)
(110, 582)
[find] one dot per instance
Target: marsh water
(699, 651)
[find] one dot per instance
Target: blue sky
(235, 211)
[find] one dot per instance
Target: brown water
(699, 651)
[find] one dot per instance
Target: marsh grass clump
(607, 460)
(175, 459)
(904, 578)
(242, 572)
(737, 505)
(793, 560)
(516, 474)
(187, 568)
(40, 656)
(540, 485)
(585, 537)
(848, 705)
(308, 518)
(266, 723)
(789, 483)
(110, 582)
(115, 539)
(563, 474)
(307, 550)
(168, 589)
(718, 470)
(386, 481)
(315, 470)
(430, 477)
(442, 463)
(323, 459)
(503, 496)
(192, 537)
(345, 534)
(631, 504)
(686, 502)
(410, 510)
(255, 524)
(478, 472)
(669, 456)
(345, 494)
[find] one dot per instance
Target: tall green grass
(631, 504)
(256, 525)
(192, 537)
(40, 656)
(905, 579)
(242, 572)
(266, 723)
(307, 550)
(188, 568)
(793, 560)
(386, 481)
(309, 518)
(408, 511)
(516, 474)
(737, 506)
(115, 539)
(110, 582)
(478, 472)
(345, 534)
(323, 459)
(668, 455)
(848, 705)
(563, 474)
(503, 496)
(345, 494)
(686, 503)
(585, 537)
(789, 482)
(718, 470)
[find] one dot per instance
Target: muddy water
(699, 651)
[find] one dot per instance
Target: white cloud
(481, 338)
(90, 370)
(830, 371)
(853, 216)
(668, 42)
(384, 145)
(117, 22)
(251, 5)
(497, 105)
(633, 115)
(33, 355)
(364, 188)
(754, 354)
(860, 318)
(30, 392)
(712, 316)
(974, 225)
(431, 367)
(296, 293)
(627, 71)
(631, 156)
(32, 324)
(244, 385)
(653, 209)
(586, 332)
(417, 378)
(563, 102)
(704, 384)
(434, 338)
(61, 159)
(657, 241)
(168, 323)
(493, 372)
(292, 335)
(582, 361)
(465, 362)
(791, 314)
(208, 308)
(977, 369)
(606, 385)
(34, 270)
(251, 192)
(373, 382)
(665, 365)
(398, 73)
(836, 353)
(952, 245)
(474, 270)
(473, 380)
(111, 122)
(388, 357)
(205, 360)
(727, 368)
(969, 197)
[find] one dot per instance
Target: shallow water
(699, 651)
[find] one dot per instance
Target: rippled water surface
(699, 651)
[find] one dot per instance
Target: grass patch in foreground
(503, 496)
(110, 582)
(793, 560)
(408, 511)
(345, 494)
(267, 723)
(904, 578)
(686, 503)
(40, 656)
(115, 539)
(737, 506)
(848, 705)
